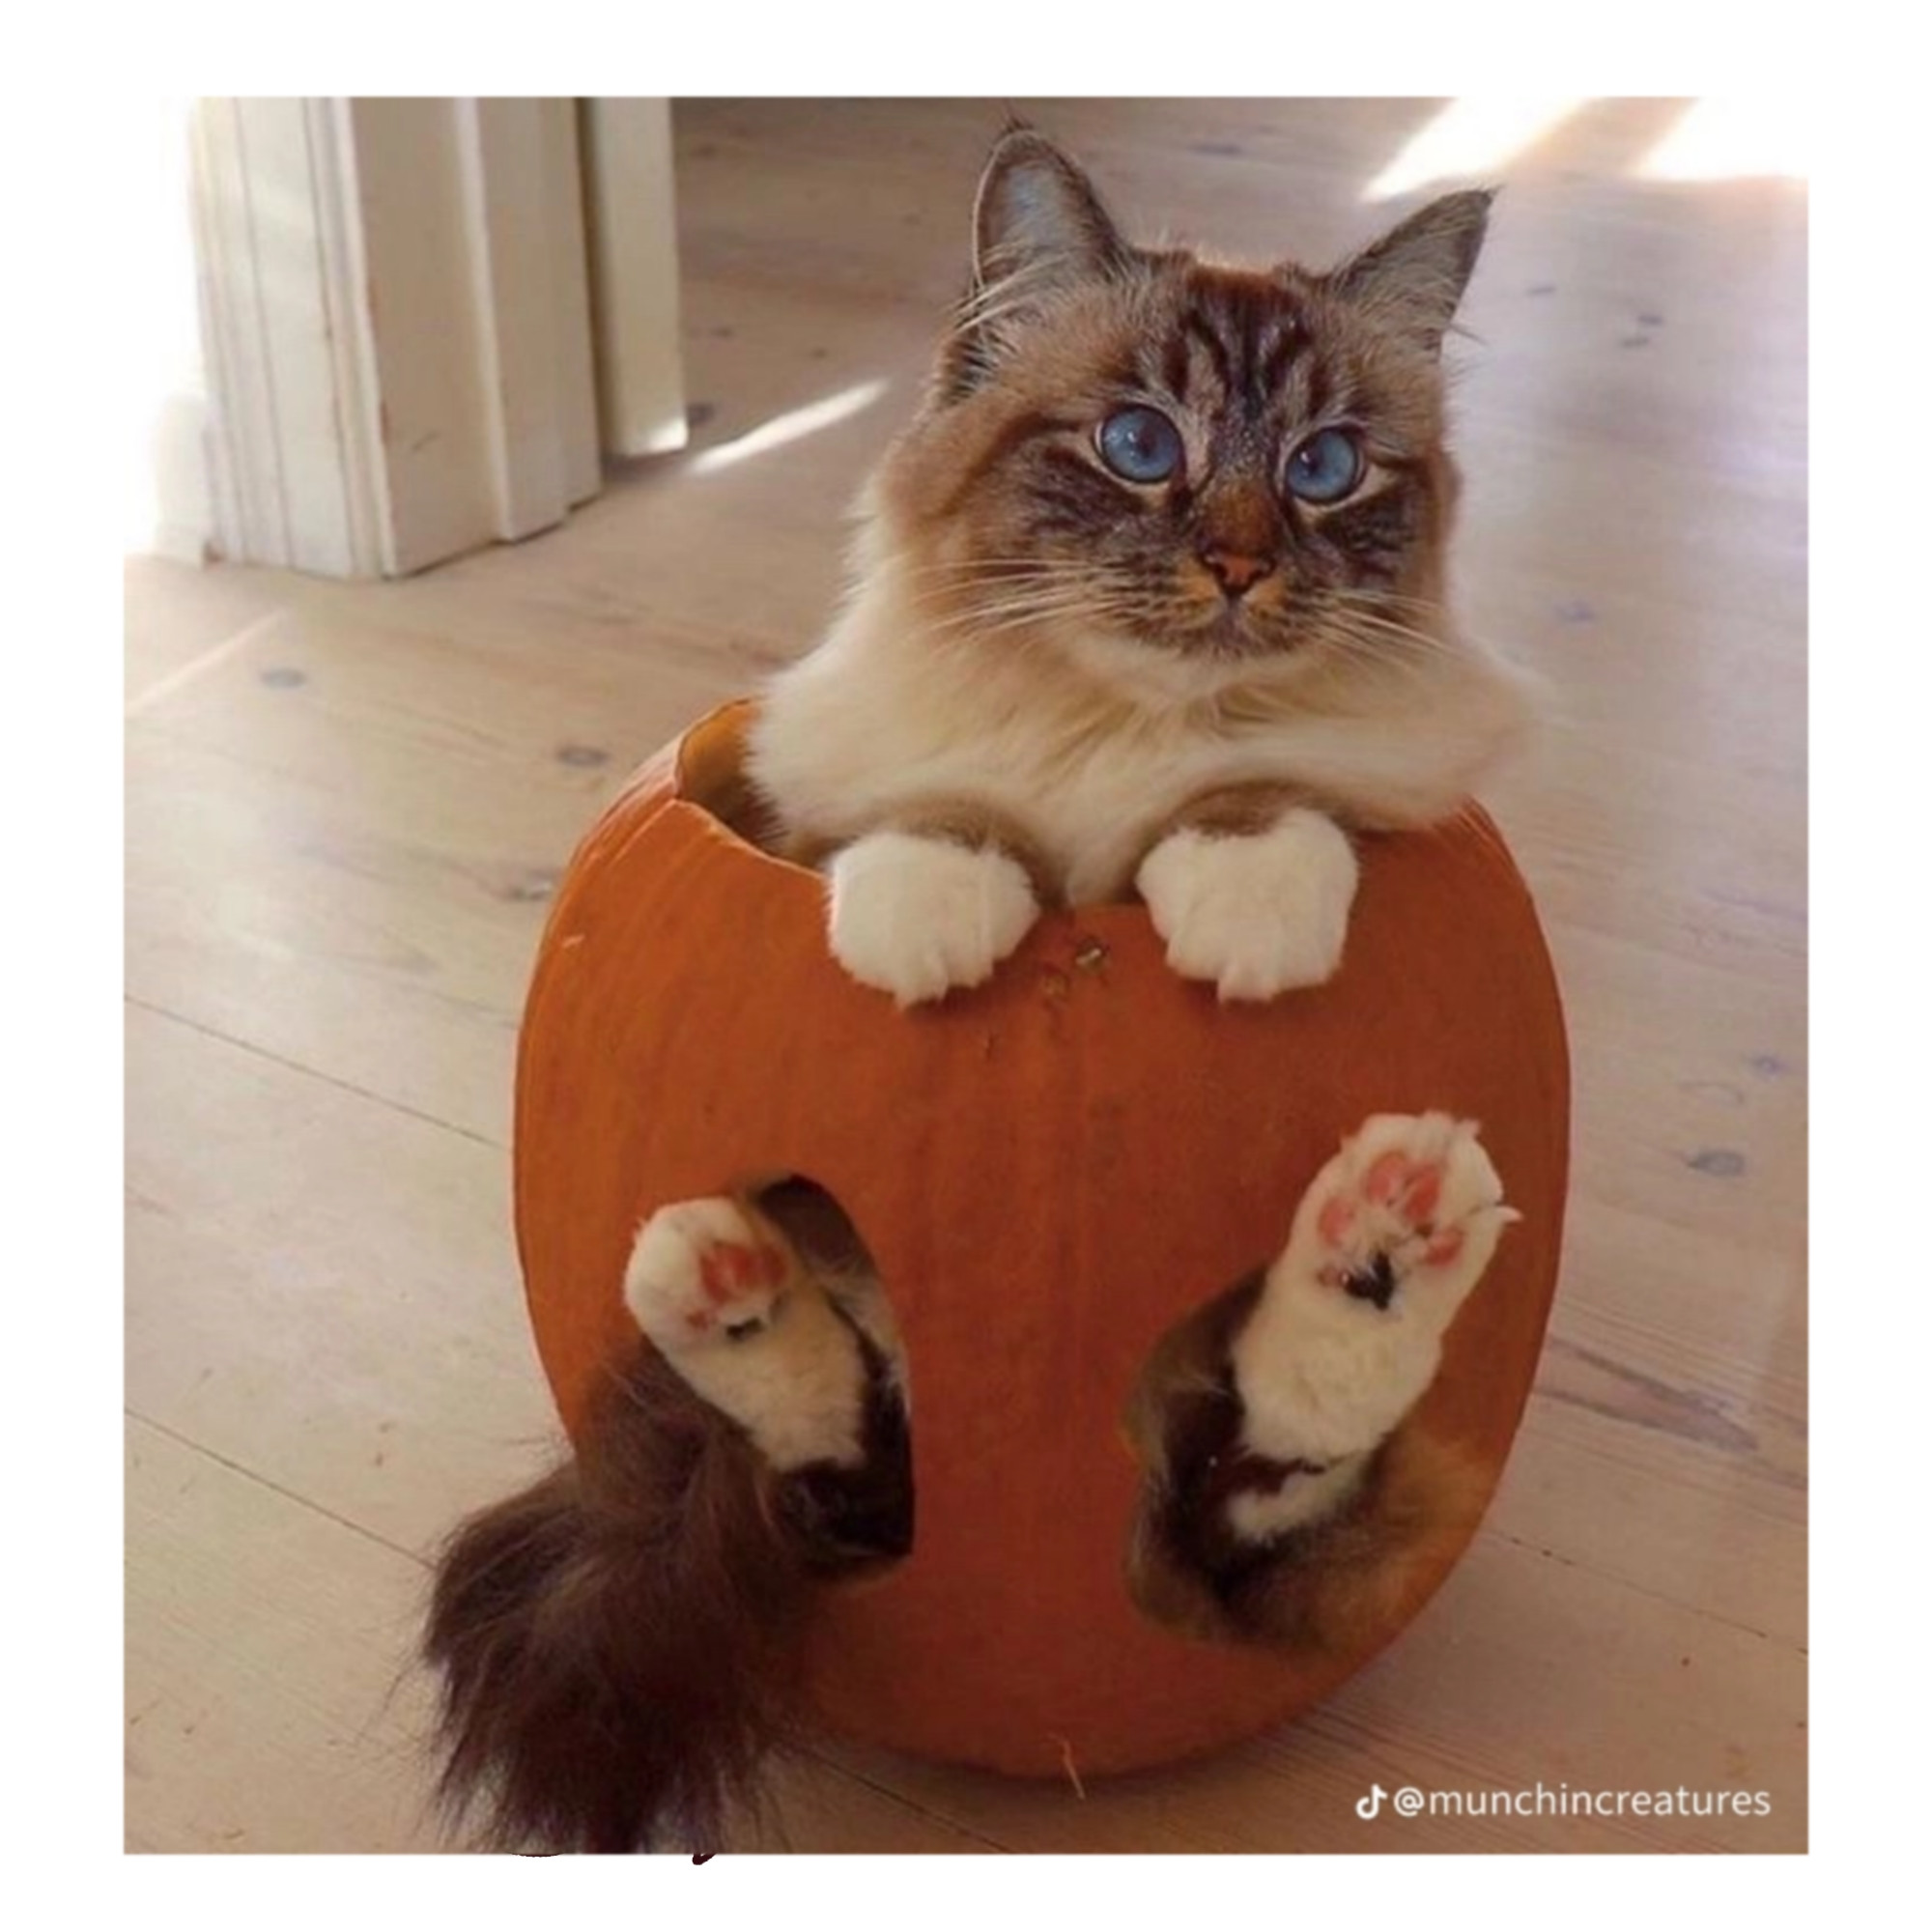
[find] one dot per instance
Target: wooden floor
(346, 806)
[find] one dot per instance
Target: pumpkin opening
(862, 1515)
(1325, 1588)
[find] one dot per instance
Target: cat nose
(1235, 571)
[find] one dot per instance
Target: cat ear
(1036, 216)
(1414, 277)
(1038, 227)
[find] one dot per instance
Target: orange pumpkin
(1050, 1171)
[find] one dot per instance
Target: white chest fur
(1094, 747)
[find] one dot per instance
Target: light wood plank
(323, 1289)
(263, 1712)
(178, 619)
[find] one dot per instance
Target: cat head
(1140, 453)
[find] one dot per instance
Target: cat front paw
(703, 1272)
(1257, 914)
(916, 916)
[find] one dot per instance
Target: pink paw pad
(729, 1267)
(729, 1271)
(1409, 1190)
(1336, 1221)
(1413, 1188)
(1388, 1209)
(1408, 1200)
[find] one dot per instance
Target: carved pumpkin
(1050, 1171)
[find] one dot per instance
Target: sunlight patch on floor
(1723, 139)
(1469, 138)
(807, 420)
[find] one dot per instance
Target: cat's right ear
(1037, 215)
(1039, 227)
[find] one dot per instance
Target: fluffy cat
(1149, 599)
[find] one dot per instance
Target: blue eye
(1140, 444)
(1325, 468)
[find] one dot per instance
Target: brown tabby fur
(618, 1645)
(999, 465)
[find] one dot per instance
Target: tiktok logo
(1371, 1805)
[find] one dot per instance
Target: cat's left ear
(1414, 277)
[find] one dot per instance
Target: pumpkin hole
(1181, 1419)
(860, 1518)
(1337, 1584)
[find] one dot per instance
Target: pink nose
(1235, 571)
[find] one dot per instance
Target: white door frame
(397, 311)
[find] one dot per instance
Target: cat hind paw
(705, 1272)
(1411, 1201)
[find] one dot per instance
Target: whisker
(1380, 655)
(990, 619)
(1000, 566)
(1366, 624)
(1348, 595)
(1008, 617)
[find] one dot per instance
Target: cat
(1150, 601)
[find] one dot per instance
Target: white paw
(702, 1272)
(1387, 1242)
(1258, 914)
(729, 1305)
(1412, 1206)
(916, 916)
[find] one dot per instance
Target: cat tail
(619, 1646)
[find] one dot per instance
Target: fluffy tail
(618, 1645)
